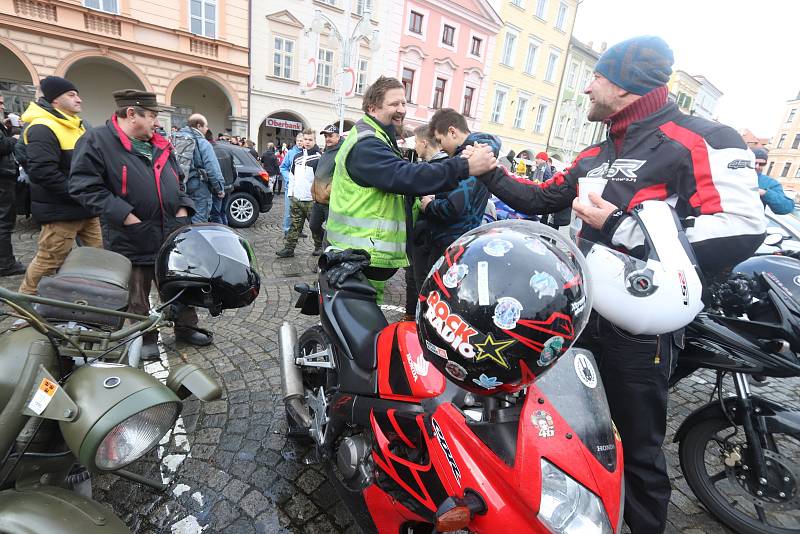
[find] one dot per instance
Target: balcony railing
(36, 9)
(203, 47)
(102, 24)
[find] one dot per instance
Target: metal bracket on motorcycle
(322, 359)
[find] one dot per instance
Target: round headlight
(132, 438)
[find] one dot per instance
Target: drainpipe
(561, 81)
(250, 66)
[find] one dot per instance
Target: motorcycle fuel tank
(403, 372)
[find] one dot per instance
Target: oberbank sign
(283, 123)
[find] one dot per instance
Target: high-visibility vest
(366, 217)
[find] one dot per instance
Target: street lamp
(349, 48)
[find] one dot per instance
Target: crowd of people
(125, 186)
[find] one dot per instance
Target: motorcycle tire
(311, 340)
(693, 451)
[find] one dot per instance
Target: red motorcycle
(410, 448)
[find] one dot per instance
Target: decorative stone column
(238, 126)
(165, 117)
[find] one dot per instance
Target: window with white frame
(408, 84)
(786, 167)
(203, 17)
(438, 93)
(282, 58)
(475, 49)
(562, 125)
(561, 18)
(541, 117)
(586, 79)
(362, 6)
(517, 3)
(530, 58)
(587, 130)
(572, 75)
(509, 45)
(361, 79)
(415, 22)
(499, 103)
(109, 6)
(469, 95)
(541, 8)
(522, 111)
(552, 64)
(448, 34)
(324, 67)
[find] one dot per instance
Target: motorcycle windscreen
(574, 387)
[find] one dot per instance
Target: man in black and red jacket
(653, 152)
(125, 171)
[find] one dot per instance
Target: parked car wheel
(243, 210)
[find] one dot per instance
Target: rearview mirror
(189, 379)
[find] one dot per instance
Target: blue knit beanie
(637, 65)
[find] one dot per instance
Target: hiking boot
(285, 253)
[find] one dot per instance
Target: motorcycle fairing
(389, 514)
(410, 476)
(403, 372)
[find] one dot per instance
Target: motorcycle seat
(360, 320)
(97, 264)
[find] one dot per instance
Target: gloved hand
(341, 265)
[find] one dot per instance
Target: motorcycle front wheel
(732, 493)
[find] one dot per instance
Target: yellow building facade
(526, 72)
(784, 149)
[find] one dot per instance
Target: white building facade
(282, 104)
(707, 99)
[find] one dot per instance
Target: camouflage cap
(135, 97)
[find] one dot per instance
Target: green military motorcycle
(73, 398)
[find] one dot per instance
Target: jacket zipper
(124, 180)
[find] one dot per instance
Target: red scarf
(636, 111)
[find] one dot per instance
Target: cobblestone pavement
(229, 463)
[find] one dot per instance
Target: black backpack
(226, 165)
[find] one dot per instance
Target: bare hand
(182, 213)
(221, 194)
(762, 192)
(596, 215)
(131, 219)
(424, 201)
(481, 160)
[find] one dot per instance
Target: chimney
(603, 47)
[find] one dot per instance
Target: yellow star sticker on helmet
(493, 350)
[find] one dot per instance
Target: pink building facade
(445, 51)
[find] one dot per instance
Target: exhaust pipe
(292, 377)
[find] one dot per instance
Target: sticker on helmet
(483, 283)
(544, 284)
(542, 420)
(455, 274)
(552, 348)
(455, 370)
(439, 351)
(507, 312)
(536, 246)
(450, 326)
(498, 247)
(585, 370)
(684, 287)
(578, 306)
(487, 382)
(493, 350)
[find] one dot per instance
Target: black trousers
(142, 277)
(635, 370)
(8, 217)
(319, 214)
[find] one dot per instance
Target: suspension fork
(752, 434)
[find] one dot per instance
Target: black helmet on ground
(213, 266)
(504, 302)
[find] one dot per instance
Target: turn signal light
(264, 176)
(454, 519)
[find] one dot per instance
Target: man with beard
(125, 171)
(367, 208)
(654, 152)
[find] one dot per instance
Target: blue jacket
(204, 158)
(455, 212)
(775, 198)
(286, 165)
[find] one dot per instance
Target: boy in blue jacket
(770, 189)
(452, 213)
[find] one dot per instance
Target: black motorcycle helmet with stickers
(504, 302)
(213, 266)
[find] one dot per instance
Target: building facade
(784, 150)
(445, 51)
(707, 98)
(572, 131)
(283, 97)
(526, 71)
(683, 90)
(192, 55)
(752, 140)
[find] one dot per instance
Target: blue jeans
(219, 210)
(201, 196)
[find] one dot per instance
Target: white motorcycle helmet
(657, 295)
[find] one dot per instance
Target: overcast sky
(747, 49)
